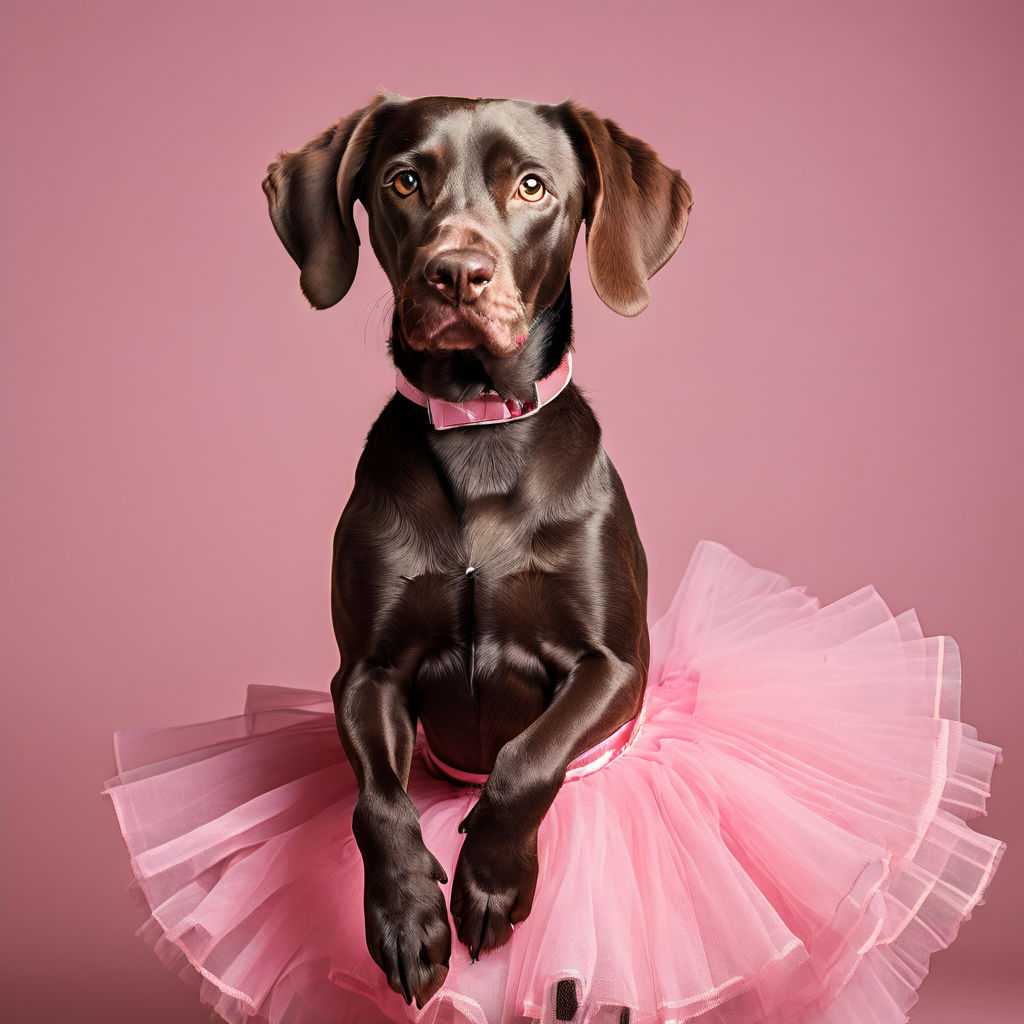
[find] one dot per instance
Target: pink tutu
(779, 837)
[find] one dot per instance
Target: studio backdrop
(827, 378)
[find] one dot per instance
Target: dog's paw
(495, 880)
(407, 931)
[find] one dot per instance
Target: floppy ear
(311, 194)
(635, 208)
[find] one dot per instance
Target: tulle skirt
(779, 837)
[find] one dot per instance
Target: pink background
(828, 378)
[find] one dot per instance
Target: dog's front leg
(407, 931)
(496, 875)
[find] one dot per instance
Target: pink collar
(489, 407)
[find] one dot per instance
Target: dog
(488, 583)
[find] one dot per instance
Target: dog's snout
(460, 275)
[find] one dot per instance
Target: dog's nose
(460, 275)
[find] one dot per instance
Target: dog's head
(474, 207)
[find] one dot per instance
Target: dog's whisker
(376, 310)
(385, 316)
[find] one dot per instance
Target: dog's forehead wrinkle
(528, 140)
(492, 130)
(457, 200)
(450, 133)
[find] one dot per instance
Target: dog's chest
(501, 641)
(479, 462)
(502, 492)
(510, 618)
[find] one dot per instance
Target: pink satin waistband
(588, 762)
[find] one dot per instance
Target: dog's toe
(414, 969)
(483, 923)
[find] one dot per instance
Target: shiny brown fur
(488, 582)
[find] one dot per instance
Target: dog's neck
(509, 451)
(519, 458)
(551, 334)
(462, 375)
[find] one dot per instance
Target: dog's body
(488, 582)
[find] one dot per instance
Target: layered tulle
(780, 839)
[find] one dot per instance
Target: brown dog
(489, 582)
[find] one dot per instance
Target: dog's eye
(531, 188)
(405, 183)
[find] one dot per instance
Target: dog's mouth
(433, 326)
(457, 351)
(457, 356)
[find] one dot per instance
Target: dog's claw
(405, 984)
(439, 873)
(466, 823)
(483, 930)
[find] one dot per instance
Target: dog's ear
(635, 208)
(311, 194)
